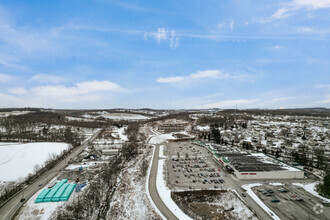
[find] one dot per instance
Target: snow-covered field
(202, 128)
(17, 160)
(125, 116)
(117, 116)
(161, 138)
(6, 114)
(121, 135)
(249, 191)
(79, 119)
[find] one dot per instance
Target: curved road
(9, 210)
(153, 189)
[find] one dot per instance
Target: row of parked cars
(269, 193)
(204, 181)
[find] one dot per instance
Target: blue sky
(165, 54)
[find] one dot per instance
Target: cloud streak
(204, 74)
(164, 35)
(46, 78)
(292, 7)
(241, 103)
(80, 93)
(4, 78)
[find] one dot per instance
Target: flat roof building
(257, 166)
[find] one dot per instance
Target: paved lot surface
(195, 168)
(289, 207)
(196, 153)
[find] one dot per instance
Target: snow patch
(310, 187)
(165, 193)
(147, 187)
(161, 151)
(276, 184)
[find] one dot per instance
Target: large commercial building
(251, 166)
(171, 127)
(257, 166)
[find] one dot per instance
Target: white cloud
(231, 24)
(312, 4)
(221, 25)
(226, 25)
(290, 8)
(174, 40)
(280, 99)
(204, 74)
(163, 35)
(247, 103)
(277, 47)
(170, 79)
(241, 103)
(45, 78)
(129, 6)
(27, 40)
(322, 86)
(4, 78)
(18, 91)
(82, 94)
(8, 101)
(95, 86)
(281, 13)
(326, 100)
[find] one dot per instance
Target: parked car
(275, 200)
(297, 198)
(326, 203)
(283, 190)
(22, 199)
(243, 194)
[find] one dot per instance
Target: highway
(10, 209)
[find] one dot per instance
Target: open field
(17, 160)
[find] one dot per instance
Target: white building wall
(283, 174)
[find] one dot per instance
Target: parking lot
(191, 167)
(291, 202)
